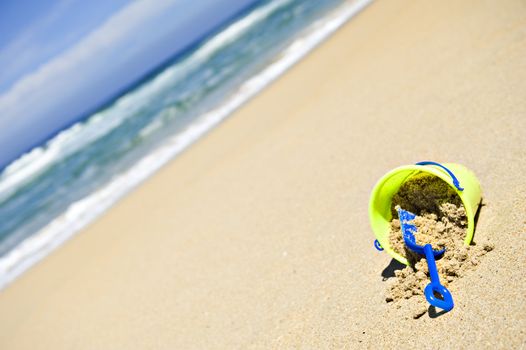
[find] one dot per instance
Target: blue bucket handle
(453, 177)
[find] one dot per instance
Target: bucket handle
(453, 177)
(378, 246)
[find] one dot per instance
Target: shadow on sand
(390, 269)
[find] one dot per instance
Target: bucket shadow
(476, 220)
(390, 269)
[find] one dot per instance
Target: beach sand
(258, 236)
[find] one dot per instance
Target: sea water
(55, 190)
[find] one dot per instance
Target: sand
(440, 229)
(424, 193)
(439, 212)
(258, 236)
(444, 227)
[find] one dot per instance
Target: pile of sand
(441, 221)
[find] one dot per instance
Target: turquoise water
(58, 188)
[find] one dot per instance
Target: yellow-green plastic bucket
(460, 178)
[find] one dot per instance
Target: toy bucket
(460, 178)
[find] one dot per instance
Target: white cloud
(42, 87)
(23, 47)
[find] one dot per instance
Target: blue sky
(61, 58)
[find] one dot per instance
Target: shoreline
(258, 235)
(73, 220)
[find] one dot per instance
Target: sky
(61, 58)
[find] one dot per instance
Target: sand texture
(424, 193)
(443, 229)
(259, 237)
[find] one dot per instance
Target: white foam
(84, 211)
(69, 141)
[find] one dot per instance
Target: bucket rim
(433, 170)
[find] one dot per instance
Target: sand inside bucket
(441, 221)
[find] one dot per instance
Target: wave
(81, 134)
(84, 211)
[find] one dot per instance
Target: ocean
(55, 190)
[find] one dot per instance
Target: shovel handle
(446, 302)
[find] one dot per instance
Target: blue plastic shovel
(408, 231)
